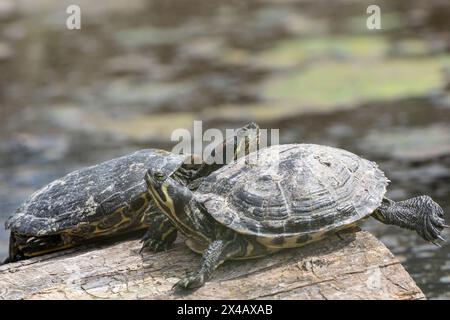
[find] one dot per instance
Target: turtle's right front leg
(160, 235)
(225, 247)
(217, 252)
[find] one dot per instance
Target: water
(137, 70)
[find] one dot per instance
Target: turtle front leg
(217, 253)
(421, 214)
(160, 235)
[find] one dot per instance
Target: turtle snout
(252, 125)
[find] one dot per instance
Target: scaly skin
(162, 232)
(160, 236)
(181, 206)
(421, 214)
(111, 221)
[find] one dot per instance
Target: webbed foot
(217, 252)
(431, 222)
(421, 214)
(160, 235)
(156, 242)
(190, 282)
(155, 245)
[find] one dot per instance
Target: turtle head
(249, 126)
(161, 187)
(243, 141)
(156, 180)
(247, 140)
(171, 196)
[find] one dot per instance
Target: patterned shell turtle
(108, 199)
(283, 197)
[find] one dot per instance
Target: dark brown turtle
(283, 197)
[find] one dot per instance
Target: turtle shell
(89, 194)
(293, 190)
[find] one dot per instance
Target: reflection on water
(139, 69)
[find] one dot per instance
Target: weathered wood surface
(347, 266)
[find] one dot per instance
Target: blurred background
(139, 69)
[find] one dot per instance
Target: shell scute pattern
(90, 194)
(293, 190)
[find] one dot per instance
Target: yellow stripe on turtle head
(163, 201)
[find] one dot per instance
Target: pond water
(137, 70)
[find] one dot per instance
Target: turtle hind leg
(217, 253)
(160, 235)
(14, 254)
(421, 214)
(23, 247)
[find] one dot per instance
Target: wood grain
(350, 265)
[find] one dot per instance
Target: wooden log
(350, 265)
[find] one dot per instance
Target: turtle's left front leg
(217, 253)
(421, 214)
(160, 235)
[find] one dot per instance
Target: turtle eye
(159, 176)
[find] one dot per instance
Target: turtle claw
(190, 282)
(436, 244)
(432, 232)
(144, 246)
(154, 245)
(430, 221)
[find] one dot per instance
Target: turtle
(108, 199)
(279, 197)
